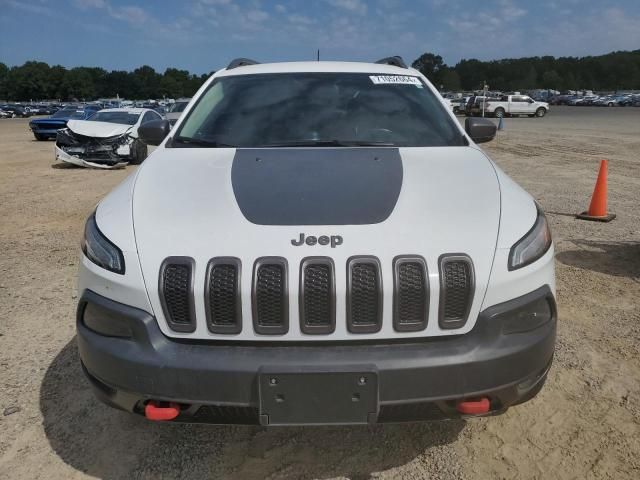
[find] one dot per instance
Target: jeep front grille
(364, 295)
(320, 283)
(317, 296)
(270, 296)
(176, 293)
(456, 290)
(222, 296)
(411, 295)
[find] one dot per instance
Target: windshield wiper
(327, 143)
(197, 142)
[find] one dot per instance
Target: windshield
(64, 113)
(123, 118)
(178, 107)
(318, 109)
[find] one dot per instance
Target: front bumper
(219, 382)
(49, 133)
(62, 156)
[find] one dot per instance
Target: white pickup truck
(516, 105)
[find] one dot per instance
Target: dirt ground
(585, 423)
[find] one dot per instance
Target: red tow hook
(474, 406)
(161, 411)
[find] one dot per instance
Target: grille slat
(270, 296)
(176, 293)
(411, 295)
(317, 296)
(364, 295)
(456, 290)
(222, 295)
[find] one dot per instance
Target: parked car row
(14, 111)
(609, 100)
(25, 110)
(20, 110)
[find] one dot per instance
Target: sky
(204, 35)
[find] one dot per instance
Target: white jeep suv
(317, 243)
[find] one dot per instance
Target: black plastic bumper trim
(154, 366)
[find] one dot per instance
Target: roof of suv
(332, 67)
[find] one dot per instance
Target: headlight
(532, 246)
(99, 249)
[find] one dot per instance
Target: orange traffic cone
(598, 207)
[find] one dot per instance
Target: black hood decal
(317, 186)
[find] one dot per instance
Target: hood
(97, 129)
(49, 120)
(205, 203)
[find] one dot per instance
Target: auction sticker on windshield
(395, 80)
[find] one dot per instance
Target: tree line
(613, 71)
(37, 81)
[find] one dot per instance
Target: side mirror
(154, 132)
(480, 130)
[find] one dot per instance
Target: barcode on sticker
(395, 80)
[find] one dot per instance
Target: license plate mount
(312, 397)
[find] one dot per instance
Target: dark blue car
(45, 128)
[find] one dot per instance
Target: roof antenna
(318, 54)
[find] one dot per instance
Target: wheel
(39, 137)
(541, 112)
(139, 152)
(499, 112)
(610, 104)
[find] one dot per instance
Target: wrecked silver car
(107, 139)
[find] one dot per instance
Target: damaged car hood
(99, 129)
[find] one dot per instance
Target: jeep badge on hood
(310, 240)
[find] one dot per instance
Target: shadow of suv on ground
(621, 259)
(110, 444)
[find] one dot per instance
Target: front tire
(39, 137)
(140, 152)
(499, 112)
(541, 112)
